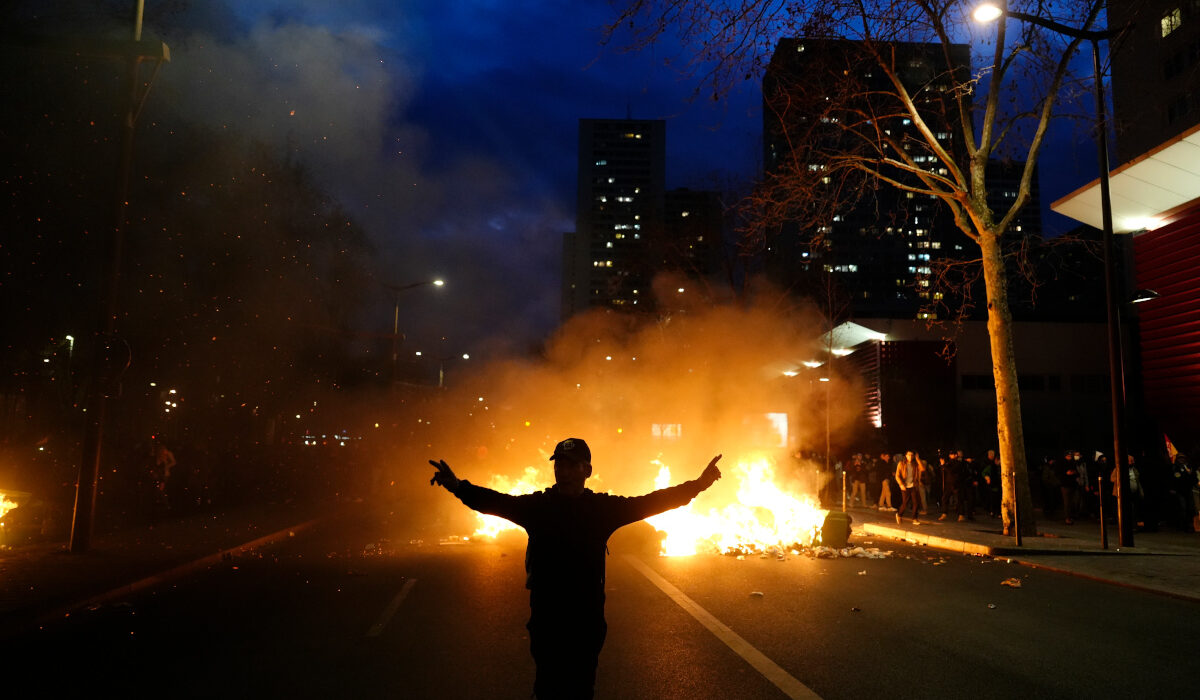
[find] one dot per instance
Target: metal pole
(395, 338)
(1016, 512)
(1116, 365)
(84, 514)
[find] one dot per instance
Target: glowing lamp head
(987, 12)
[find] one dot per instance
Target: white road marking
(391, 609)
(768, 668)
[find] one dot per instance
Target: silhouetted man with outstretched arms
(568, 527)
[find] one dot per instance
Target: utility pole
(111, 355)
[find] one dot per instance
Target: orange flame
(530, 481)
(761, 516)
(6, 505)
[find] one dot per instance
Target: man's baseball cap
(573, 449)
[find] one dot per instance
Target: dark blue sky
(450, 129)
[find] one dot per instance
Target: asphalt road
(360, 609)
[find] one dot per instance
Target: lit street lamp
(988, 12)
(396, 314)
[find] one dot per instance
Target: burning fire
(762, 515)
(5, 505)
(530, 481)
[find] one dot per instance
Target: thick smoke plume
(644, 392)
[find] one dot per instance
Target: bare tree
(954, 121)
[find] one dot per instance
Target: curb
(928, 540)
(174, 572)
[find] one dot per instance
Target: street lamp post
(111, 356)
(442, 365)
(397, 288)
(1116, 366)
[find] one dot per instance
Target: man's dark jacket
(568, 535)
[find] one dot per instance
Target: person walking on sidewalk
(951, 473)
(568, 527)
(908, 478)
(858, 480)
(924, 475)
(884, 469)
(1068, 483)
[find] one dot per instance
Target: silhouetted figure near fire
(568, 527)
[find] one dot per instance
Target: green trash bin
(835, 531)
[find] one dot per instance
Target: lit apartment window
(1171, 21)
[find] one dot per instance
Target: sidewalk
(1165, 562)
(43, 581)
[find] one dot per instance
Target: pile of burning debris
(811, 551)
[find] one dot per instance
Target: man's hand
(710, 473)
(444, 476)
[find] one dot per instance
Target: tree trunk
(1014, 473)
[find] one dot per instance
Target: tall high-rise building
(1155, 72)
(628, 226)
(691, 233)
(877, 242)
(620, 196)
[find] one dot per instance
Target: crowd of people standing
(960, 486)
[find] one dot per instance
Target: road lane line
(768, 668)
(391, 609)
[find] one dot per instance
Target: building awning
(1147, 192)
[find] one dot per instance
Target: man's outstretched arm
(639, 507)
(479, 498)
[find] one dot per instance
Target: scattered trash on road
(756, 594)
(1011, 582)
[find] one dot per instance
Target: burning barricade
(753, 514)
